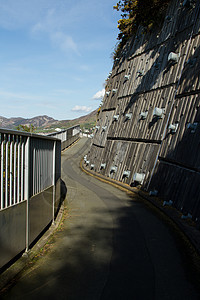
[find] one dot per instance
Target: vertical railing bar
(18, 171)
(34, 173)
(54, 178)
(38, 173)
(45, 167)
(41, 150)
(39, 177)
(36, 168)
(6, 173)
(2, 172)
(45, 179)
(11, 171)
(15, 171)
(42, 166)
(49, 167)
(40, 187)
(22, 170)
(41, 171)
(46, 162)
(27, 188)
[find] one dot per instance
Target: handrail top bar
(28, 134)
(57, 132)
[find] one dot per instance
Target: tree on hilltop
(26, 128)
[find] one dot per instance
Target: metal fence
(30, 178)
(13, 168)
(67, 136)
(30, 172)
(27, 165)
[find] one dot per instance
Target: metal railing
(13, 170)
(30, 172)
(30, 190)
(27, 165)
(67, 136)
(25, 155)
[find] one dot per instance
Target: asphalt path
(109, 246)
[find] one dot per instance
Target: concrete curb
(71, 145)
(9, 274)
(187, 227)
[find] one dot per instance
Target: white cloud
(79, 108)
(52, 26)
(37, 28)
(99, 95)
(64, 42)
(46, 24)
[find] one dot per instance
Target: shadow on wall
(63, 193)
(63, 190)
(161, 65)
(191, 71)
(177, 174)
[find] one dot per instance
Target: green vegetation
(148, 13)
(26, 128)
(86, 124)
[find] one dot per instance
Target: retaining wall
(165, 149)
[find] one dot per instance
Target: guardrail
(30, 173)
(27, 165)
(30, 186)
(67, 136)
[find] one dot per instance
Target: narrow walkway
(109, 246)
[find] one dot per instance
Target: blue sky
(55, 56)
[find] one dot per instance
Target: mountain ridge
(46, 122)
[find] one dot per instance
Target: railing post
(6, 172)
(2, 168)
(27, 188)
(54, 180)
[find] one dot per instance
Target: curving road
(109, 246)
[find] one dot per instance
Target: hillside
(86, 121)
(39, 121)
(48, 124)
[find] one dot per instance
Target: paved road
(110, 246)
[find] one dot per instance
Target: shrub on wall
(148, 13)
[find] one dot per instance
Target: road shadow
(118, 252)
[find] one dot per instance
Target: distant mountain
(88, 121)
(38, 121)
(47, 123)
(83, 121)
